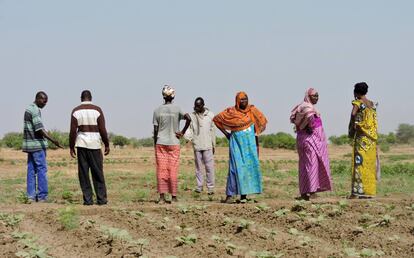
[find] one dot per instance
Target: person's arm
(351, 127)
(227, 134)
(72, 135)
(155, 134)
(213, 137)
(40, 129)
(45, 134)
(309, 127)
(103, 132)
(187, 119)
(156, 126)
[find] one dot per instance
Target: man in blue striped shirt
(35, 144)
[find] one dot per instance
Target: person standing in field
(166, 121)
(203, 137)
(312, 146)
(245, 122)
(87, 132)
(35, 144)
(363, 132)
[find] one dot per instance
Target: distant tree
(222, 142)
(405, 133)
(13, 140)
(340, 140)
(119, 140)
(279, 140)
(144, 142)
(61, 137)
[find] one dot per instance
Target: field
(273, 225)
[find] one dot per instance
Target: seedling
(67, 196)
(298, 206)
(280, 213)
(22, 197)
(317, 220)
(69, 218)
(293, 231)
(32, 249)
(394, 238)
(11, 220)
(244, 224)
(230, 248)
(186, 240)
(227, 221)
(262, 207)
(265, 254)
(183, 209)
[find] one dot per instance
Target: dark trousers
(91, 159)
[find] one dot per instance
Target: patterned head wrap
(168, 91)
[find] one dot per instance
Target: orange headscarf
(237, 119)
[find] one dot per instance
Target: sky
(125, 51)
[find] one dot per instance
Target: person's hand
(58, 144)
(179, 135)
(72, 153)
(107, 150)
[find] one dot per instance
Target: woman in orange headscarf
(245, 122)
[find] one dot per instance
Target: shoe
(303, 197)
(163, 201)
(197, 190)
(102, 203)
(313, 196)
(228, 200)
(88, 203)
(210, 193)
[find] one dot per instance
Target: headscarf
(237, 119)
(302, 113)
(168, 91)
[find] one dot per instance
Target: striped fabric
(167, 158)
(87, 128)
(314, 170)
(33, 123)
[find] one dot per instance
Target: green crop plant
(22, 197)
(262, 207)
(227, 221)
(31, 248)
(11, 220)
(244, 224)
(67, 196)
(265, 254)
(282, 212)
(230, 248)
(186, 240)
(69, 217)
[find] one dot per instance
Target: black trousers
(93, 160)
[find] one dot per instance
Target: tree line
(403, 135)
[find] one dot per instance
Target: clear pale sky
(125, 51)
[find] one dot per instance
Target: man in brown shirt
(87, 132)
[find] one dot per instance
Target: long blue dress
(244, 168)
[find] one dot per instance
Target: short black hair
(361, 88)
(86, 94)
(41, 94)
(199, 99)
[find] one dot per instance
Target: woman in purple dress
(314, 170)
